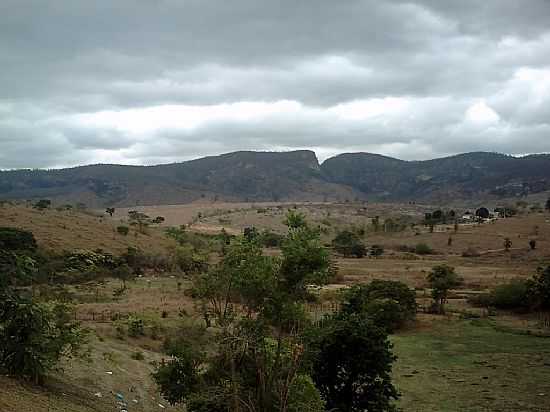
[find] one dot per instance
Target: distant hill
(239, 176)
(463, 177)
(288, 176)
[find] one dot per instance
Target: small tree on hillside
(547, 206)
(483, 213)
(348, 244)
(110, 211)
(43, 204)
(442, 279)
(139, 219)
(158, 220)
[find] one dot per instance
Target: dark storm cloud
(89, 81)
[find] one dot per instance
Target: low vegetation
(267, 319)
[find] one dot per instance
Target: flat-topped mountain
(286, 176)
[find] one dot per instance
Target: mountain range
(287, 176)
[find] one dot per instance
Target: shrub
(348, 243)
(483, 300)
(16, 239)
(376, 250)
(42, 204)
(34, 337)
(389, 304)
(512, 296)
(136, 327)
(123, 230)
(423, 249)
(304, 396)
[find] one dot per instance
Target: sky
(160, 81)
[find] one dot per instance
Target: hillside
(462, 177)
(69, 230)
(245, 176)
(289, 176)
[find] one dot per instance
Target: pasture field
(471, 365)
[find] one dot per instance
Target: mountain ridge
(286, 176)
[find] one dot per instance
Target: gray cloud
(109, 62)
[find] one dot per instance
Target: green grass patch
(470, 365)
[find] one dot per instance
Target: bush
(511, 296)
(348, 243)
(123, 230)
(482, 300)
(42, 204)
(389, 304)
(34, 337)
(136, 327)
(423, 249)
(16, 239)
(376, 250)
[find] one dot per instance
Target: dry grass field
(71, 230)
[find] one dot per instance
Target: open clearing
(461, 365)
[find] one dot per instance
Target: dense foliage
(33, 336)
(348, 244)
(389, 304)
(262, 358)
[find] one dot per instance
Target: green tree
(348, 244)
(33, 336)
(351, 365)
(179, 378)
(123, 272)
(257, 303)
(442, 279)
(139, 219)
(43, 204)
(295, 220)
(389, 304)
(17, 240)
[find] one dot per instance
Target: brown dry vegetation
(70, 230)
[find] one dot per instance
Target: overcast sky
(157, 81)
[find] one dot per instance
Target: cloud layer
(143, 82)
